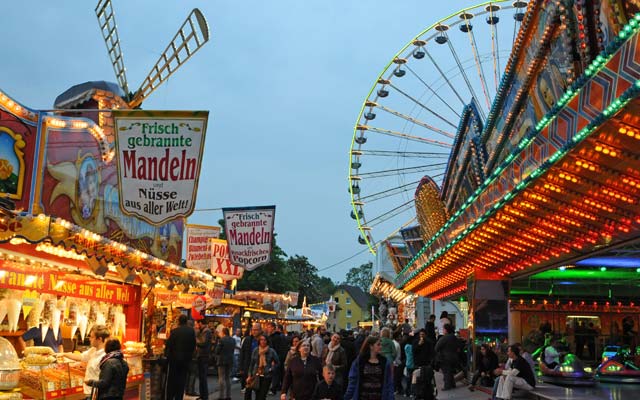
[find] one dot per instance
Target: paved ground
(610, 391)
(459, 393)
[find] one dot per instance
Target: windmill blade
(109, 29)
(191, 36)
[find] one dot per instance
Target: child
(328, 389)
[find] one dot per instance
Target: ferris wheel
(408, 122)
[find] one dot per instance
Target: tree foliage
(361, 276)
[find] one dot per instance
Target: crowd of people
(316, 364)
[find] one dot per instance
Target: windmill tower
(96, 96)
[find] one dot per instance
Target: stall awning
(46, 236)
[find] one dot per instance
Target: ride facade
(536, 171)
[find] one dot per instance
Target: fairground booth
(536, 218)
(69, 257)
(93, 199)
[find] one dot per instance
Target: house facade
(352, 307)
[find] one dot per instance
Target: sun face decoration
(5, 169)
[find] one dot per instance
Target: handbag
(253, 382)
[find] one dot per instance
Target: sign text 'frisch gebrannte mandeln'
(249, 232)
(159, 158)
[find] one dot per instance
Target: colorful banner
(249, 233)
(159, 157)
(199, 247)
(51, 282)
(220, 264)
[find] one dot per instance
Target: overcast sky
(284, 82)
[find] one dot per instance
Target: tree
(361, 276)
(307, 277)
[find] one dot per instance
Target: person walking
(447, 356)
(179, 349)
(92, 357)
(327, 389)
(335, 355)
(388, 347)
(444, 319)
(430, 328)
(279, 343)
(237, 337)
(263, 361)
(113, 373)
(408, 364)
(203, 352)
(224, 356)
(249, 344)
(370, 376)
(317, 343)
(302, 375)
(423, 352)
(292, 353)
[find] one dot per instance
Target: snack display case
(51, 381)
(9, 371)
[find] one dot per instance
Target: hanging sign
(221, 266)
(249, 233)
(199, 247)
(159, 156)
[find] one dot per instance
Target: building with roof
(352, 307)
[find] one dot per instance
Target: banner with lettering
(249, 233)
(49, 281)
(220, 265)
(199, 247)
(159, 157)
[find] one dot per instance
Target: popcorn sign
(249, 233)
(221, 266)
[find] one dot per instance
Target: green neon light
(582, 274)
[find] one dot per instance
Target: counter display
(64, 380)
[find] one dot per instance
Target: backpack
(424, 383)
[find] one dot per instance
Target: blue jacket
(356, 371)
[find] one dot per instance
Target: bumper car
(622, 368)
(570, 373)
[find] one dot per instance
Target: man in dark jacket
(447, 356)
(179, 349)
(203, 352)
(422, 350)
(249, 343)
(224, 354)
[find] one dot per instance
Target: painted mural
(17, 144)
(79, 186)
